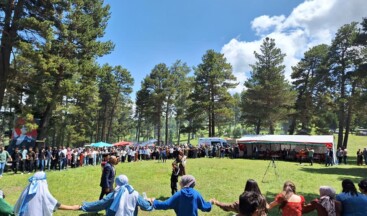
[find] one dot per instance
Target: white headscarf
(327, 196)
(188, 181)
(125, 197)
(36, 199)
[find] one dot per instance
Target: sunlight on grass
(223, 179)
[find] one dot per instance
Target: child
(174, 177)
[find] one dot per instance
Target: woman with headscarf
(326, 205)
(185, 202)
(290, 203)
(36, 199)
(251, 185)
(353, 203)
(123, 201)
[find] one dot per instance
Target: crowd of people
(124, 200)
(36, 199)
(28, 160)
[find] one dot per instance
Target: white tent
(318, 142)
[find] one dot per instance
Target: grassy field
(223, 179)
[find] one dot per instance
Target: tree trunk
(178, 130)
(271, 128)
(341, 111)
(210, 123)
(113, 108)
(292, 126)
(104, 123)
(166, 126)
(47, 114)
(349, 116)
(258, 127)
(8, 38)
(159, 127)
(138, 128)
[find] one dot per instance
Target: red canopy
(122, 143)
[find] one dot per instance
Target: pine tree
(213, 79)
(268, 98)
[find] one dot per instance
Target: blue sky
(148, 32)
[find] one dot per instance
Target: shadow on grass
(356, 172)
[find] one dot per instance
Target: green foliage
(312, 82)
(268, 97)
(213, 79)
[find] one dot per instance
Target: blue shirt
(185, 202)
(353, 205)
(106, 202)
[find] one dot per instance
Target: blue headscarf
(37, 187)
(122, 185)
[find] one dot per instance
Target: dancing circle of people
(124, 200)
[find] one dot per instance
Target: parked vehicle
(212, 141)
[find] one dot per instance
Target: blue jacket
(106, 202)
(185, 202)
(353, 205)
(108, 176)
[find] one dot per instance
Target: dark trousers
(23, 165)
(174, 180)
(103, 192)
(311, 160)
(15, 166)
(30, 165)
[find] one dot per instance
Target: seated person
(252, 204)
(36, 199)
(123, 201)
(5, 208)
(326, 205)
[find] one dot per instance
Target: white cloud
(311, 23)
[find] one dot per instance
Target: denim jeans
(48, 163)
(2, 167)
(41, 165)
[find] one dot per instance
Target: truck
(212, 141)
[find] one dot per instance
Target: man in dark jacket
(108, 177)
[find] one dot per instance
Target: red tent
(122, 143)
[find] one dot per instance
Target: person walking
(17, 157)
(108, 176)
(345, 155)
(4, 158)
(311, 152)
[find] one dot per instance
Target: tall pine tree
(268, 98)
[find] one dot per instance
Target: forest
(50, 77)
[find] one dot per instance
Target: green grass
(223, 179)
